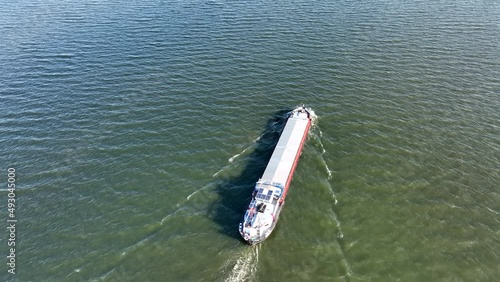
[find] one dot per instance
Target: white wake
(245, 267)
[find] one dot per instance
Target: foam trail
(231, 159)
(323, 151)
(201, 189)
(333, 215)
(181, 204)
(245, 266)
(337, 222)
(258, 138)
(328, 170)
(168, 216)
(340, 236)
(333, 194)
(220, 170)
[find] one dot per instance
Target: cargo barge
(270, 191)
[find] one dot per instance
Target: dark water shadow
(235, 192)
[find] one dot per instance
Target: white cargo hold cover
(280, 165)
